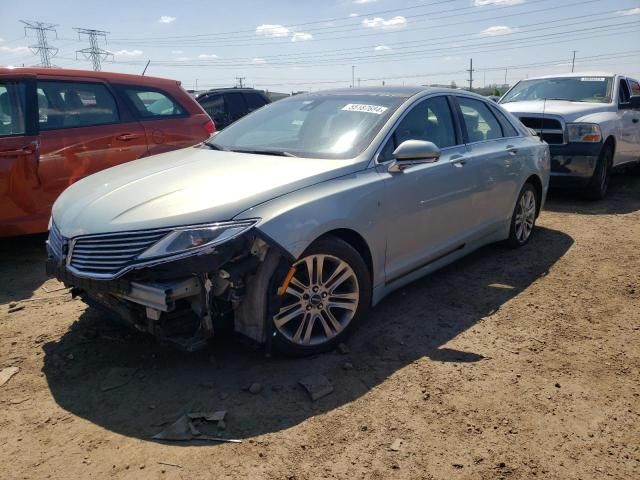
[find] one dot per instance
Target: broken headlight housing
(192, 239)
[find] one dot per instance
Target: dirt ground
(510, 364)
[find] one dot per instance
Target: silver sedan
(290, 224)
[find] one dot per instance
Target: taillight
(209, 127)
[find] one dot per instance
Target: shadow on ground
(623, 197)
(412, 323)
(21, 266)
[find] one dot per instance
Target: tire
(599, 183)
(304, 323)
(523, 219)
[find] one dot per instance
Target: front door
(19, 182)
(426, 206)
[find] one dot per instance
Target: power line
(94, 52)
(42, 48)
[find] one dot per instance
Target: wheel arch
(611, 140)
(537, 185)
(355, 240)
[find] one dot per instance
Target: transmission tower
(94, 52)
(42, 48)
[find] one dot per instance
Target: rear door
(494, 160)
(635, 121)
(254, 101)
(167, 123)
(82, 130)
(235, 106)
(20, 213)
(626, 148)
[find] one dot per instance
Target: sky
(295, 45)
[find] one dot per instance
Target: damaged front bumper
(181, 299)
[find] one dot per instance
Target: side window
(74, 104)
(430, 120)
(153, 103)
(12, 109)
(480, 122)
(236, 107)
(254, 101)
(507, 127)
(214, 106)
(623, 93)
(635, 87)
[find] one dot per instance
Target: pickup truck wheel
(324, 299)
(599, 183)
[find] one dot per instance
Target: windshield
(571, 89)
(322, 126)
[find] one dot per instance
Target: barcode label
(360, 107)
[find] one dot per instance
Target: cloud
(301, 37)
(482, 3)
(382, 48)
(167, 19)
(128, 53)
(1, 40)
(351, 15)
(207, 55)
(259, 61)
(272, 31)
(183, 59)
(362, 2)
(633, 11)
(392, 23)
(15, 49)
(496, 30)
(177, 52)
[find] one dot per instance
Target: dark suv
(226, 105)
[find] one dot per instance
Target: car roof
(229, 89)
(394, 91)
(573, 75)
(89, 74)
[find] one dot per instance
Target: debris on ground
(7, 373)
(208, 416)
(397, 443)
(347, 366)
(317, 386)
(170, 464)
(183, 430)
(343, 349)
(117, 377)
(15, 308)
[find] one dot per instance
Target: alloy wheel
(320, 301)
(525, 216)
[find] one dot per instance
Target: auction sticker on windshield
(592, 79)
(360, 107)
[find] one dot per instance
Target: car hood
(570, 111)
(184, 187)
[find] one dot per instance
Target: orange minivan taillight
(209, 127)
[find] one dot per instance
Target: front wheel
(327, 295)
(524, 215)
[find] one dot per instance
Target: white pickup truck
(591, 122)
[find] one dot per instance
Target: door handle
(512, 150)
(458, 161)
(125, 137)
(634, 120)
(28, 150)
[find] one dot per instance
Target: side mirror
(413, 152)
(634, 101)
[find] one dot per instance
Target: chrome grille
(549, 129)
(105, 255)
(55, 242)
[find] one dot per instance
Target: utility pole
(42, 48)
(94, 52)
(353, 76)
(240, 81)
(505, 76)
(358, 82)
(471, 70)
(573, 62)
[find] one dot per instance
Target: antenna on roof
(145, 67)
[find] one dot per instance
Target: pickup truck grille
(549, 129)
(105, 255)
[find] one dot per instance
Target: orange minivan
(58, 126)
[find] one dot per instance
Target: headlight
(196, 238)
(583, 132)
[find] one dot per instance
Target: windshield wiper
(257, 151)
(213, 146)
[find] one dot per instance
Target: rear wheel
(599, 183)
(329, 292)
(524, 215)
